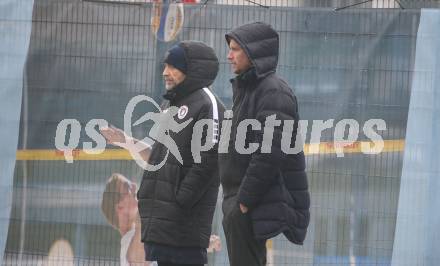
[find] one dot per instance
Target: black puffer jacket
(273, 185)
(177, 202)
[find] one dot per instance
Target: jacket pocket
(179, 177)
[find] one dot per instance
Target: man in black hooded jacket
(177, 202)
(265, 191)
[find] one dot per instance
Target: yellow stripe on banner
(78, 155)
(269, 244)
(121, 154)
(366, 147)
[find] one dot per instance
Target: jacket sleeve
(201, 175)
(263, 168)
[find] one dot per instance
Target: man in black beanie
(175, 67)
(177, 202)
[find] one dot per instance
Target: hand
(113, 135)
(215, 244)
(117, 137)
(243, 208)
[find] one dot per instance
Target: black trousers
(172, 264)
(243, 248)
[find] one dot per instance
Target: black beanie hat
(176, 57)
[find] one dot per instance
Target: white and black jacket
(177, 202)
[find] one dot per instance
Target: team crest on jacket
(183, 110)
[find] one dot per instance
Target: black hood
(202, 68)
(261, 43)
